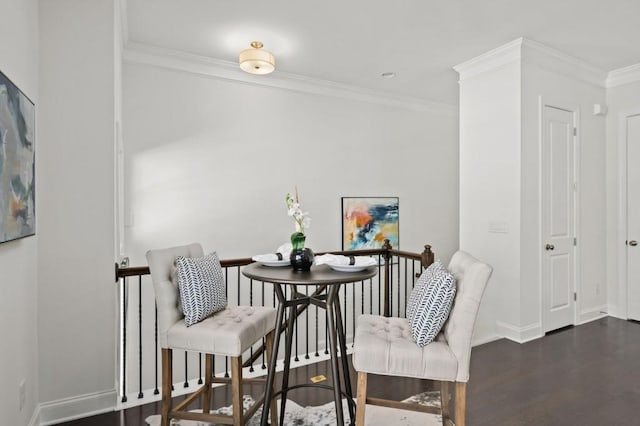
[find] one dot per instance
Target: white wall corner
(136, 53)
(493, 59)
(124, 21)
(621, 76)
(593, 314)
(77, 407)
(614, 311)
(520, 334)
(548, 58)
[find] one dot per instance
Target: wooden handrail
(426, 259)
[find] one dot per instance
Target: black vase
(301, 259)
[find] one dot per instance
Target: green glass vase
(301, 257)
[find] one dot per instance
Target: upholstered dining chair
(385, 346)
(229, 332)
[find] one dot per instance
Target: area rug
(325, 415)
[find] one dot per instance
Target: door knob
(549, 247)
(633, 243)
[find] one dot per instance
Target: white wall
(621, 99)
(500, 173)
(77, 310)
(211, 160)
(18, 304)
(490, 188)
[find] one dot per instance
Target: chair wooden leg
(461, 401)
(236, 390)
(208, 375)
(361, 400)
(444, 402)
(167, 374)
(273, 407)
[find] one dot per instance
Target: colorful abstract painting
(17, 163)
(368, 221)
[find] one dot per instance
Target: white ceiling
(354, 41)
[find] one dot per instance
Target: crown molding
(136, 53)
(548, 58)
(532, 53)
(490, 60)
(626, 75)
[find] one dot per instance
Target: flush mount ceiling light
(256, 60)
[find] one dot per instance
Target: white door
(558, 207)
(632, 129)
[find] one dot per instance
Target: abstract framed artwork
(17, 163)
(368, 221)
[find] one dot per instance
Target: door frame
(543, 102)
(623, 301)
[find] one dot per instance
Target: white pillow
(432, 308)
(418, 289)
(201, 285)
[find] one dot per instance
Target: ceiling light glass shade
(256, 60)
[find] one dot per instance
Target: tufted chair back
(162, 266)
(471, 280)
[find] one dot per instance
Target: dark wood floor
(585, 375)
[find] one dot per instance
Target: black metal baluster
(405, 286)
(226, 359)
(353, 311)
(186, 370)
(326, 328)
(200, 368)
(413, 280)
(362, 297)
(251, 370)
(344, 320)
(238, 284)
(140, 394)
(391, 288)
(380, 291)
(264, 340)
(123, 325)
(317, 328)
(156, 391)
(294, 311)
(306, 326)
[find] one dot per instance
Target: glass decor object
(301, 257)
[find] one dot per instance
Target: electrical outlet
(22, 391)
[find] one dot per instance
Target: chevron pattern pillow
(433, 306)
(201, 286)
(419, 288)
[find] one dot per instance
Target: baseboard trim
(520, 334)
(593, 314)
(77, 407)
(35, 417)
(485, 339)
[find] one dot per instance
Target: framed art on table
(368, 221)
(17, 163)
